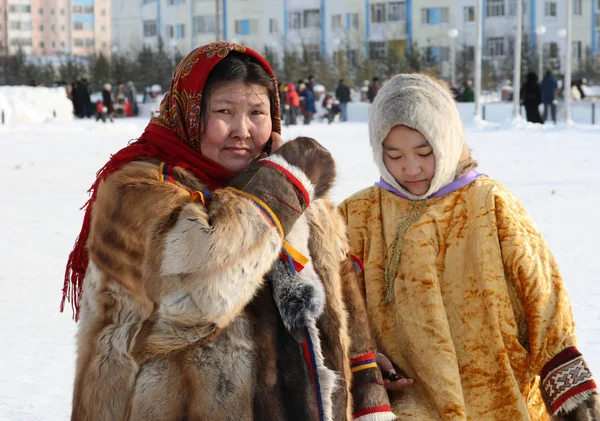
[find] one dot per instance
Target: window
(88, 10)
(148, 1)
(312, 53)
(175, 2)
(378, 12)
(352, 57)
(103, 12)
(550, 8)
(577, 8)
(14, 25)
(246, 27)
(432, 15)
(103, 28)
(180, 31)
(62, 28)
(41, 28)
(83, 26)
(352, 20)
(53, 44)
(445, 53)
(62, 12)
(576, 50)
(52, 28)
(52, 11)
(444, 15)
(78, 42)
(89, 42)
(494, 8)
(495, 46)
(469, 13)
(41, 44)
(149, 28)
(295, 20)
(242, 27)
(396, 11)
(204, 24)
(336, 22)
(41, 11)
(169, 31)
(377, 49)
(512, 8)
(77, 9)
(312, 18)
(273, 26)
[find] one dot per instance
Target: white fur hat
(421, 103)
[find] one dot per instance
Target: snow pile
(26, 104)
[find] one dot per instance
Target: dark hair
(236, 67)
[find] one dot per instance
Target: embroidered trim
(357, 262)
(166, 175)
(309, 356)
(564, 377)
(263, 207)
(363, 362)
(294, 174)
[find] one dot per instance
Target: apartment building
(55, 27)
(544, 25)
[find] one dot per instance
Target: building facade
(55, 27)
(316, 28)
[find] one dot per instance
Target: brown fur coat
(178, 323)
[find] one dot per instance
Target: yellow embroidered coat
(479, 306)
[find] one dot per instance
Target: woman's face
(238, 124)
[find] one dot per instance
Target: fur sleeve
(199, 266)
(565, 379)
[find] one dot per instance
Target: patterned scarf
(174, 137)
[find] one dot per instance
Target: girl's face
(409, 158)
(238, 125)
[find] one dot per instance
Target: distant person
(468, 95)
(307, 102)
(549, 87)
(107, 101)
(292, 105)
(374, 88)
(454, 90)
(531, 98)
(342, 93)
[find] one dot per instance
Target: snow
(47, 165)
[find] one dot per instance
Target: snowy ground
(46, 168)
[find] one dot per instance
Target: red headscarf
(173, 137)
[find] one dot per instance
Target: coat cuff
(371, 402)
(566, 381)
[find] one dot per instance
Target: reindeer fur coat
(184, 315)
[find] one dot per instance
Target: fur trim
(300, 296)
(466, 163)
(378, 416)
(328, 380)
(295, 171)
(421, 103)
(573, 402)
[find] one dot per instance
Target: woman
(212, 282)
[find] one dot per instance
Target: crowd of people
(213, 278)
(548, 92)
(118, 103)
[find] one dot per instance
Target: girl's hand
(276, 142)
(391, 379)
